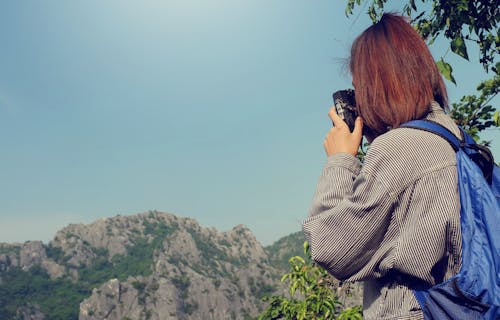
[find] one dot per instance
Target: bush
(312, 294)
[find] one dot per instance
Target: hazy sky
(210, 109)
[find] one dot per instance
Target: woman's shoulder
(404, 154)
(406, 142)
(408, 147)
(401, 143)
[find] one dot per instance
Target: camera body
(345, 104)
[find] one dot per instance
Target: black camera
(345, 104)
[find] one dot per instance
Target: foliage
(312, 294)
(475, 113)
(60, 298)
(9, 249)
(212, 254)
(286, 247)
(182, 283)
(353, 313)
(259, 288)
(139, 286)
(54, 253)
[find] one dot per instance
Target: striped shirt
(393, 222)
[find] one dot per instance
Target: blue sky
(210, 109)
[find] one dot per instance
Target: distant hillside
(148, 266)
(282, 250)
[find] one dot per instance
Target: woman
(393, 222)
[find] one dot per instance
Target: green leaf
(496, 69)
(446, 70)
(306, 248)
(293, 288)
(412, 3)
(349, 7)
(372, 13)
(297, 258)
(458, 47)
(496, 119)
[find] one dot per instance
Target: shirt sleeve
(350, 214)
(343, 168)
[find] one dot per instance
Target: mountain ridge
(151, 265)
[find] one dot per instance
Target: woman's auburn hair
(394, 75)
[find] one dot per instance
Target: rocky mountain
(148, 266)
(151, 265)
(282, 250)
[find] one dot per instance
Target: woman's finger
(358, 128)
(336, 119)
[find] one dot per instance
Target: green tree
(312, 294)
(464, 24)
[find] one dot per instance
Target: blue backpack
(474, 292)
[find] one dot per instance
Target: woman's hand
(340, 139)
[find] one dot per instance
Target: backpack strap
(421, 294)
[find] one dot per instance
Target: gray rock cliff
(151, 265)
